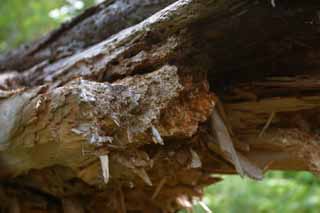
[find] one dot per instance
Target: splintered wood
(132, 122)
(225, 141)
(104, 160)
(156, 136)
(159, 187)
(241, 163)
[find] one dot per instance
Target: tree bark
(139, 121)
(94, 25)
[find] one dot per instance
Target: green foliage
(280, 192)
(23, 21)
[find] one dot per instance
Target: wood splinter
(224, 140)
(266, 126)
(242, 165)
(141, 172)
(195, 160)
(159, 187)
(156, 136)
(104, 160)
(205, 207)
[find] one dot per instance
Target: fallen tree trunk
(94, 25)
(141, 120)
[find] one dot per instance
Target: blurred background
(26, 20)
(280, 192)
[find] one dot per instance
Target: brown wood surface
(139, 120)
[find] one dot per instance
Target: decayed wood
(126, 124)
(54, 125)
(73, 125)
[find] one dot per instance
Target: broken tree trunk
(140, 120)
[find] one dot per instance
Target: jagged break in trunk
(139, 121)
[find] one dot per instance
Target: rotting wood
(78, 112)
(161, 80)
